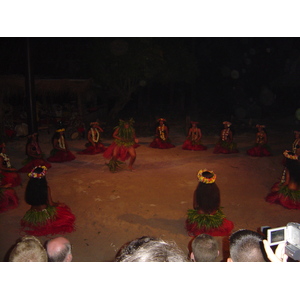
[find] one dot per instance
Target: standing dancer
(261, 148)
(45, 216)
(34, 155)
(161, 140)
(287, 191)
(60, 151)
(10, 175)
(207, 216)
(94, 145)
(123, 146)
(296, 143)
(225, 144)
(193, 140)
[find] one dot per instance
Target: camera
(290, 235)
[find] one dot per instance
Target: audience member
(279, 255)
(149, 249)
(59, 250)
(204, 248)
(246, 246)
(29, 249)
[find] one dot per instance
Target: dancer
(261, 148)
(296, 143)
(161, 140)
(8, 197)
(207, 216)
(225, 144)
(287, 191)
(10, 175)
(193, 140)
(60, 151)
(94, 145)
(45, 216)
(123, 146)
(34, 155)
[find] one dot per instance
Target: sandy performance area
(114, 208)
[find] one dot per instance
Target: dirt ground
(114, 208)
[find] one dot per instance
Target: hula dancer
(94, 145)
(34, 155)
(10, 175)
(123, 146)
(287, 191)
(161, 140)
(45, 216)
(60, 151)
(261, 148)
(225, 144)
(207, 216)
(8, 197)
(193, 140)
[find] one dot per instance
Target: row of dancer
(125, 142)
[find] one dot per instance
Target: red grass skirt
(32, 163)
(224, 230)
(225, 148)
(51, 221)
(159, 143)
(91, 150)
(122, 153)
(189, 145)
(58, 156)
(285, 197)
(8, 199)
(259, 151)
(11, 177)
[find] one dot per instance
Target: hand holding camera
(279, 255)
(288, 241)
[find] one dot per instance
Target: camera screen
(277, 236)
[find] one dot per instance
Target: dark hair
(207, 196)
(56, 136)
(37, 190)
(246, 246)
(205, 248)
(293, 167)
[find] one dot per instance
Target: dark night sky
(230, 70)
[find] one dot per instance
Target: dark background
(237, 79)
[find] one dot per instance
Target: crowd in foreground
(244, 246)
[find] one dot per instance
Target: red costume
(225, 144)
(94, 138)
(260, 148)
(8, 198)
(287, 191)
(207, 216)
(44, 217)
(60, 152)
(161, 139)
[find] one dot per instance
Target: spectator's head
(29, 249)
(246, 246)
(149, 249)
(207, 194)
(204, 248)
(59, 250)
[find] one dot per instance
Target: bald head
(59, 250)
